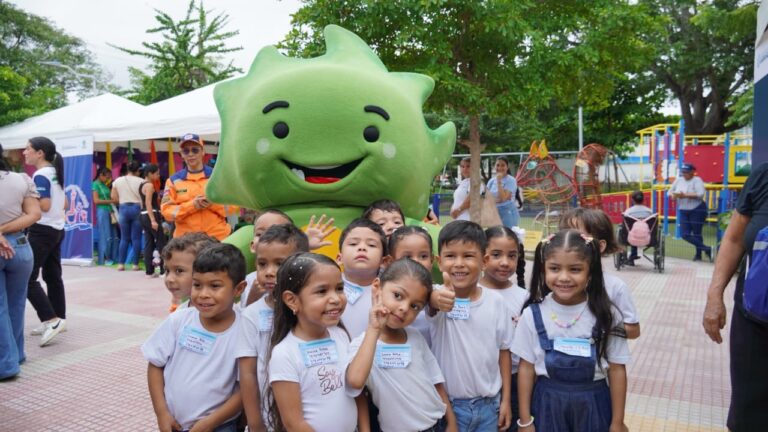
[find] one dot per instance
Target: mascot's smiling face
(337, 130)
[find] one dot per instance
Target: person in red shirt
(184, 202)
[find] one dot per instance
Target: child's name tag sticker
(319, 352)
(265, 319)
(460, 309)
(196, 340)
(353, 292)
(573, 346)
(396, 356)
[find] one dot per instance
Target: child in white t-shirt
(316, 231)
(501, 260)
(471, 340)
(568, 339)
(394, 361)
(275, 245)
(178, 256)
(309, 350)
(413, 242)
(192, 370)
(597, 224)
(263, 221)
(361, 253)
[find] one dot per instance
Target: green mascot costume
(326, 135)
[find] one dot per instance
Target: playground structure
(722, 161)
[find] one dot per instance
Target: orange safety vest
(177, 206)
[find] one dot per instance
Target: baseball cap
(190, 137)
(686, 168)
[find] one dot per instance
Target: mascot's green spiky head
(328, 134)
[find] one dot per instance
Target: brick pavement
(92, 377)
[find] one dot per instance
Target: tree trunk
(475, 149)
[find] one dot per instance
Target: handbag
(489, 214)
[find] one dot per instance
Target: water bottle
(156, 261)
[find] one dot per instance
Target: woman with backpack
(638, 211)
(749, 323)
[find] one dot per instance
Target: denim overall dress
(570, 399)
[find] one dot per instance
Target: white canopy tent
(193, 112)
(72, 120)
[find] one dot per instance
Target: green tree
(490, 58)
(27, 87)
(188, 56)
(705, 57)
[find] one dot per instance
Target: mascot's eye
(371, 133)
(280, 130)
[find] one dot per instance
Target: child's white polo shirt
(199, 366)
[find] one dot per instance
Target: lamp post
(73, 72)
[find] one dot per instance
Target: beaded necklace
(572, 322)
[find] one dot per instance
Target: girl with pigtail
(309, 350)
(571, 342)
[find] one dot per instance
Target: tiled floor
(93, 376)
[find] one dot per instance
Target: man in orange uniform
(184, 201)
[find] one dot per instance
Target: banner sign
(77, 247)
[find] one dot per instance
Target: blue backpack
(756, 279)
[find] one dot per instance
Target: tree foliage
(188, 57)
(27, 87)
(705, 57)
(493, 59)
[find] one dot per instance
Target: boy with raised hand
(274, 246)
(192, 370)
(362, 248)
(471, 341)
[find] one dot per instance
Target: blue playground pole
(724, 192)
(667, 140)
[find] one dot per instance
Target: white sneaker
(39, 330)
(52, 329)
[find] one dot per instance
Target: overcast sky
(124, 23)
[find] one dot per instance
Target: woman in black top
(748, 338)
(151, 219)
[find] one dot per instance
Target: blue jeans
(107, 235)
(14, 276)
(477, 414)
(510, 216)
(691, 226)
(130, 231)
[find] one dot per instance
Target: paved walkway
(93, 377)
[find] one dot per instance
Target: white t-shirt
(406, 397)
(527, 346)
(460, 194)
(250, 279)
(514, 297)
(48, 186)
(199, 366)
(422, 325)
(255, 332)
(355, 316)
(467, 350)
(325, 404)
(621, 297)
